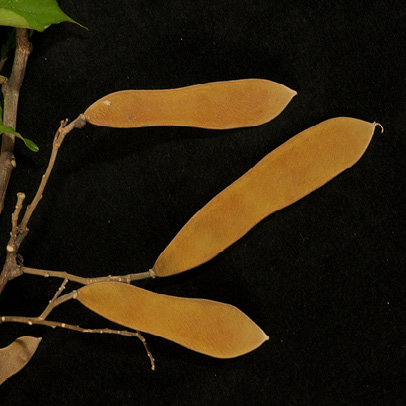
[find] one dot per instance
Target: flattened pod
(16, 356)
(217, 105)
(212, 328)
(290, 172)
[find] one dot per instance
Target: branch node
(53, 324)
(16, 214)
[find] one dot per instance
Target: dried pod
(218, 105)
(212, 328)
(290, 172)
(16, 356)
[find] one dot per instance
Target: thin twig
(88, 281)
(16, 213)
(59, 137)
(11, 269)
(53, 324)
(61, 299)
(51, 304)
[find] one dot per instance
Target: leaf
(212, 328)
(33, 14)
(10, 130)
(16, 356)
(30, 144)
(290, 172)
(217, 105)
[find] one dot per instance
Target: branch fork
(18, 233)
(58, 300)
(13, 266)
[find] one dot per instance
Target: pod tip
(380, 126)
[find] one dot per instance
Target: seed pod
(16, 356)
(212, 328)
(290, 172)
(218, 105)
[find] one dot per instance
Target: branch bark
(37, 321)
(128, 278)
(11, 92)
(11, 268)
(56, 301)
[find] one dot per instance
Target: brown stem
(58, 300)
(11, 92)
(37, 321)
(87, 281)
(52, 303)
(59, 137)
(16, 214)
(7, 164)
(11, 269)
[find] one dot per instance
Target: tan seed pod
(16, 356)
(290, 172)
(217, 105)
(212, 328)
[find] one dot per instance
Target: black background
(324, 277)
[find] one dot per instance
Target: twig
(58, 300)
(88, 281)
(37, 321)
(16, 213)
(11, 93)
(51, 304)
(11, 269)
(58, 139)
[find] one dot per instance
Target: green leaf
(10, 130)
(33, 14)
(29, 144)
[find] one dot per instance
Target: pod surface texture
(212, 328)
(216, 105)
(290, 172)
